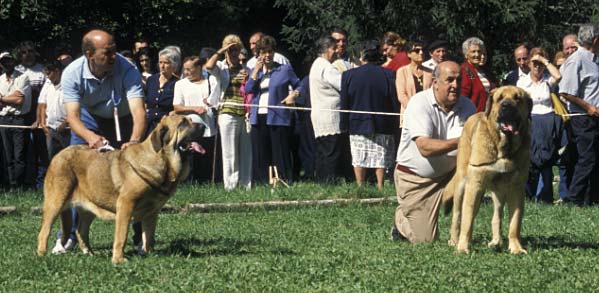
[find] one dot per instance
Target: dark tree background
(192, 24)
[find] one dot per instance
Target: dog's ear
(158, 136)
(489, 102)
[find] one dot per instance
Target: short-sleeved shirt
(36, 76)
(51, 95)
(188, 94)
(424, 117)
(580, 78)
(540, 92)
(19, 82)
(97, 95)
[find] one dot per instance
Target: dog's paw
(451, 243)
(119, 260)
(495, 244)
(518, 250)
(41, 252)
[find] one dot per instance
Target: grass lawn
(335, 249)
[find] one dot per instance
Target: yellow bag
(559, 107)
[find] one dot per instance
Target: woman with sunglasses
(414, 77)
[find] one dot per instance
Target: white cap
(5, 54)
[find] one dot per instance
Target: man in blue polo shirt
(103, 95)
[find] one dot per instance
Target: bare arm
(430, 147)
(15, 98)
(138, 112)
(590, 109)
(180, 109)
(74, 120)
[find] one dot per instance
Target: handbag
(559, 107)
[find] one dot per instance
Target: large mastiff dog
(120, 185)
(494, 156)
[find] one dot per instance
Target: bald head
(99, 48)
(95, 39)
(447, 83)
(521, 58)
(569, 44)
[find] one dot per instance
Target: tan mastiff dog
(120, 185)
(493, 155)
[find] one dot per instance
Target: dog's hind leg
(50, 212)
(85, 220)
(149, 230)
(516, 207)
(498, 204)
(66, 224)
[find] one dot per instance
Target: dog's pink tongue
(198, 148)
(507, 127)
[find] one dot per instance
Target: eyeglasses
(522, 59)
(340, 40)
(417, 50)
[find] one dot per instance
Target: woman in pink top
(414, 77)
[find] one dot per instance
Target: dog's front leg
(470, 206)
(516, 206)
(498, 204)
(149, 229)
(458, 198)
(124, 209)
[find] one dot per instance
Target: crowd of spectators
(244, 144)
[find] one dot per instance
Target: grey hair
(325, 43)
(172, 55)
(587, 33)
(472, 41)
(436, 72)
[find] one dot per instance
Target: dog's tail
(448, 194)
(454, 191)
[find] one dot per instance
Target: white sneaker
(70, 244)
(58, 248)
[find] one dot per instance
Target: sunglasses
(522, 59)
(417, 50)
(341, 40)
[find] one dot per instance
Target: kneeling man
(426, 159)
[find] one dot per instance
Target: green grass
(334, 249)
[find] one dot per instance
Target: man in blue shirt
(103, 95)
(580, 86)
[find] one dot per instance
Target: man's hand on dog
(96, 141)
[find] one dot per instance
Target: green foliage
(500, 23)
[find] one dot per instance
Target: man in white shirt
(15, 104)
(279, 58)
(521, 70)
(426, 158)
(52, 112)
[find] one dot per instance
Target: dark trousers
(209, 165)
(13, 147)
(584, 180)
(306, 145)
(106, 128)
(333, 158)
(270, 146)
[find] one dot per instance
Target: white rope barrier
(292, 108)
(310, 109)
(345, 111)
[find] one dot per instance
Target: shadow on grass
(194, 247)
(556, 242)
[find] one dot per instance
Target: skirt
(372, 151)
